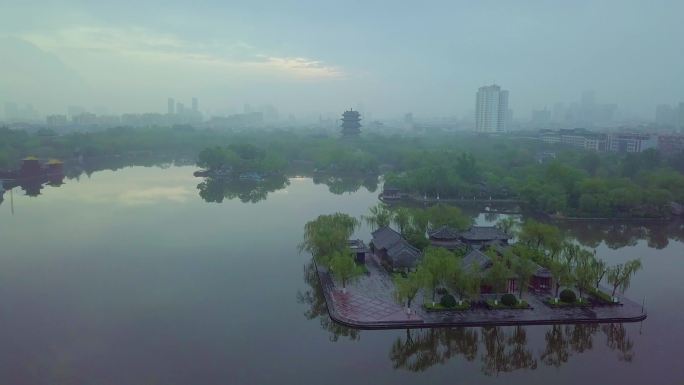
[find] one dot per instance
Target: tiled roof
(356, 245)
(403, 254)
(399, 251)
(385, 237)
(484, 233)
(444, 233)
(478, 258)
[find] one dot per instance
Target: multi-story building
(631, 142)
(666, 115)
(56, 120)
(171, 106)
(670, 144)
(491, 109)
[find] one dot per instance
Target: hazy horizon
(310, 57)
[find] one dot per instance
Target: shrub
(441, 291)
(568, 296)
(509, 299)
(448, 300)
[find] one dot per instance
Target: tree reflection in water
(424, 348)
(340, 184)
(315, 300)
(618, 234)
(503, 349)
(217, 189)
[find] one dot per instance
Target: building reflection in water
(32, 186)
(500, 349)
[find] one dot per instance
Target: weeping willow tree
(327, 235)
(378, 216)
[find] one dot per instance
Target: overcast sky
(309, 56)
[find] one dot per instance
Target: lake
(136, 276)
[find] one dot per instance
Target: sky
(310, 57)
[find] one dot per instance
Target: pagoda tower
(351, 123)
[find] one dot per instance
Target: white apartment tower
(491, 109)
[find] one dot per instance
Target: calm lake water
(131, 277)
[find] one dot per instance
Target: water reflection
(504, 349)
(217, 189)
(314, 299)
(340, 184)
(421, 349)
(616, 235)
(500, 349)
(32, 186)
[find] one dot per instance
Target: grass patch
(438, 306)
(578, 303)
(520, 305)
(600, 295)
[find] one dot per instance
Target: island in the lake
(438, 270)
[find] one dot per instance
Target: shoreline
(366, 305)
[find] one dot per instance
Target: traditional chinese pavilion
(351, 123)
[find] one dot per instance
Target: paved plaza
(368, 303)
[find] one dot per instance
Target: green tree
(406, 288)
(439, 265)
(343, 267)
(402, 219)
(378, 216)
(560, 271)
(445, 215)
(327, 234)
(524, 268)
(584, 272)
(598, 270)
(507, 225)
(497, 275)
(539, 235)
(619, 276)
(472, 282)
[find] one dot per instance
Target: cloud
(141, 44)
(155, 194)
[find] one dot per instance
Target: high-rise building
(491, 109)
(666, 115)
(180, 108)
(541, 118)
(195, 104)
(171, 109)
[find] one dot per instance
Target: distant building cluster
(78, 117)
(623, 142)
(492, 114)
(669, 116)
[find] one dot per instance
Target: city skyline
(73, 53)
